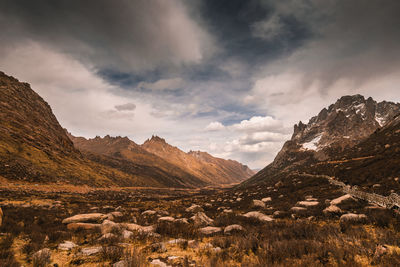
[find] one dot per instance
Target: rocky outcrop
(201, 219)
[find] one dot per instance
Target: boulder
(83, 226)
(107, 236)
(298, 209)
(209, 230)
(332, 209)
(89, 217)
(42, 255)
(308, 203)
(194, 209)
(67, 245)
(193, 244)
(233, 228)
(149, 213)
(339, 200)
(182, 221)
(166, 219)
(259, 216)
(266, 199)
(122, 263)
(138, 228)
(90, 251)
(157, 247)
(177, 241)
(157, 262)
(353, 217)
(108, 226)
(201, 219)
(127, 234)
(258, 203)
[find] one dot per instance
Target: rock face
(89, 217)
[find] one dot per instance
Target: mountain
(125, 155)
(331, 134)
(200, 164)
(34, 148)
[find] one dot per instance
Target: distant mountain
(125, 155)
(335, 133)
(200, 164)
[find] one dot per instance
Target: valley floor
(297, 222)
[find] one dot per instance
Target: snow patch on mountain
(313, 144)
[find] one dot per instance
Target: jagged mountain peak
(344, 123)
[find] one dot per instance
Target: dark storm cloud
(122, 35)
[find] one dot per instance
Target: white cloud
(258, 137)
(163, 84)
(259, 123)
(215, 126)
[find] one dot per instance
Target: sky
(228, 77)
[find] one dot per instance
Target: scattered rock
(298, 209)
(217, 249)
(227, 211)
(233, 228)
(182, 221)
(193, 244)
(332, 209)
(108, 226)
(84, 226)
(339, 200)
(194, 209)
(258, 203)
(353, 217)
(67, 245)
(166, 219)
(122, 263)
(201, 219)
(157, 262)
(90, 251)
(209, 230)
(278, 184)
(266, 199)
(177, 241)
(308, 203)
(239, 199)
(258, 215)
(138, 228)
(107, 236)
(127, 234)
(43, 255)
(89, 217)
(149, 213)
(158, 247)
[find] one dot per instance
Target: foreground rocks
(209, 230)
(89, 217)
(233, 228)
(259, 216)
(201, 219)
(351, 217)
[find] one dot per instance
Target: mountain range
(35, 148)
